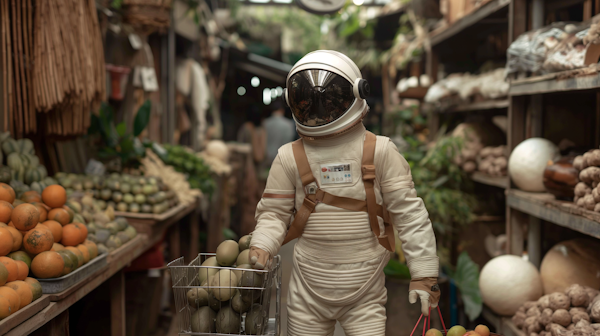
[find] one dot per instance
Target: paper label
(135, 41)
(149, 80)
(336, 173)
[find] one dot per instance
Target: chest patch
(336, 173)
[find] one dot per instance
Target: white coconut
(218, 149)
(506, 282)
(571, 262)
(528, 161)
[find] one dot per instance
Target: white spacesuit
(336, 190)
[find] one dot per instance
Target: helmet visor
(318, 97)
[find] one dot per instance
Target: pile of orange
(37, 234)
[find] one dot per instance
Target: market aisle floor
(287, 253)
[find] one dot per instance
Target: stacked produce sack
(219, 305)
(574, 312)
(123, 192)
(492, 161)
(587, 194)
(43, 236)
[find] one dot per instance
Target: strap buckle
(368, 172)
(311, 189)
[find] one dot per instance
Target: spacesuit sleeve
(274, 210)
(408, 212)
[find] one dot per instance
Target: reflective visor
(318, 97)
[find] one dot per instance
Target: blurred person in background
(252, 132)
(280, 130)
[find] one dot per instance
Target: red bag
(427, 322)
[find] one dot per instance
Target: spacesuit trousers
(311, 312)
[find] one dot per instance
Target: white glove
(412, 298)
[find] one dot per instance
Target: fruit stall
(514, 83)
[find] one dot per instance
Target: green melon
(10, 146)
(14, 161)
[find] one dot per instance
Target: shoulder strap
(368, 175)
(306, 174)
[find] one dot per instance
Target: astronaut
(341, 190)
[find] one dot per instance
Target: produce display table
(50, 306)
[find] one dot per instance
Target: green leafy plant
(113, 141)
(185, 161)
(466, 278)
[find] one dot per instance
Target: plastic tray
(57, 285)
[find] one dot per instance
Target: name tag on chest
(336, 173)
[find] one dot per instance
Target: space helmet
(326, 93)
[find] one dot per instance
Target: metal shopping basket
(190, 310)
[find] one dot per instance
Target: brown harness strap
(368, 175)
(319, 196)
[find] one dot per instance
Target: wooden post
(517, 19)
(534, 241)
(194, 233)
(117, 304)
(174, 241)
(537, 14)
(515, 228)
(432, 66)
(597, 129)
(587, 10)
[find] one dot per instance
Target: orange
(38, 240)
(77, 253)
(48, 264)
(54, 196)
(36, 288)
(70, 212)
(57, 247)
(2, 224)
(55, 228)
(3, 274)
(71, 235)
(31, 197)
(7, 193)
(23, 233)
(84, 231)
(12, 296)
(17, 238)
(482, 330)
(21, 255)
(6, 241)
(5, 310)
(70, 264)
(25, 217)
(24, 291)
(43, 209)
(11, 267)
(92, 247)
(86, 253)
(6, 210)
(22, 270)
(60, 215)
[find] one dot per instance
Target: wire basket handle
(427, 322)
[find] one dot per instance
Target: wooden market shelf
(503, 324)
(571, 80)
(150, 223)
(545, 207)
(477, 106)
(23, 314)
(479, 14)
(500, 182)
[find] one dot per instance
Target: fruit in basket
(251, 279)
(433, 332)
(114, 242)
(482, 330)
(146, 208)
(227, 321)
(255, 321)
(25, 217)
(227, 279)
(60, 215)
(227, 253)
(77, 253)
(85, 252)
(5, 308)
(205, 272)
(240, 306)
(244, 243)
(57, 247)
(243, 258)
(7, 193)
(92, 247)
(54, 196)
(38, 240)
(3, 274)
(102, 249)
(456, 331)
(197, 297)
(215, 304)
(43, 209)
(239, 270)
(71, 235)
(83, 229)
(55, 228)
(14, 300)
(22, 256)
(123, 237)
(203, 320)
(36, 288)
(22, 270)
(6, 210)
(102, 236)
(131, 232)
(23, 290)
(134, 207)
(47, 264)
